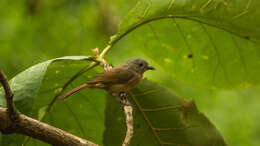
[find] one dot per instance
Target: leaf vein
(170, 5)
(81, 129)
(174, 144)
(147, 92)
(186, 42)
(206, 4)
(93, 105)
(155, 34)
(173, 129)
(217, 52)
(214, 74)
(145, 117)
(242, 59)
(161, 108)
(245, 11)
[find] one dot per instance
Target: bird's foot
(123, 99)
(122, 95)
(107, 66)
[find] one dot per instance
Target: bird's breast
(126, 86)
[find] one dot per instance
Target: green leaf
(42, 112)
(36, 90)
(160, 118)
(202, 43)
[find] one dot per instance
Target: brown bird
(117, 80)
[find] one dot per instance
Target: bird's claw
(123, 99)
(122, 95)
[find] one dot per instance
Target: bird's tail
(74, 91)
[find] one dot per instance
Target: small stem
(104, 52)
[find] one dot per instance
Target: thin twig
(13, 113)
(127, 107)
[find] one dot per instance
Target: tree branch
(13, 113)
(127, 107)
(39, 130)
(11, 121)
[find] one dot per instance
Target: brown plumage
(118, 79)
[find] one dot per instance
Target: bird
(117, 80)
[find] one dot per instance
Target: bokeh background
(32, 31)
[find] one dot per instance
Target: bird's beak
(150, 68)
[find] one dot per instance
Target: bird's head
(138, 65)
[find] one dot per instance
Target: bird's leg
(123, 99)
(122, 95)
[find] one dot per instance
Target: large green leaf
(160, 118)
(36, 90)
(203, 43)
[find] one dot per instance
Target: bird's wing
(114, 76)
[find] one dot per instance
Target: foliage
(199, 49)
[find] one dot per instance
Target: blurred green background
(32, 31)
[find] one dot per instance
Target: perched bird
(117, 80)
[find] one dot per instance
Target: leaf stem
(120, 35)
(104, 52)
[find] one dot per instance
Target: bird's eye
(141, 64)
